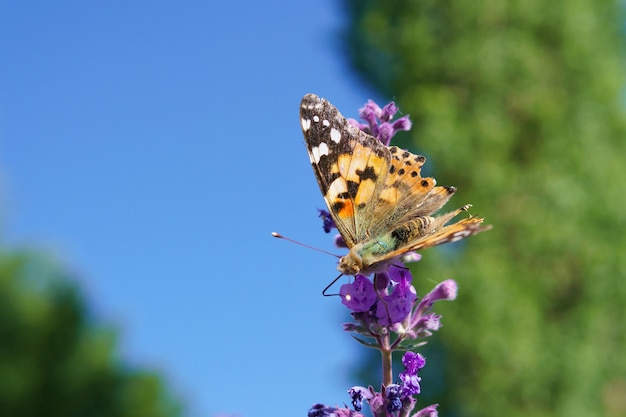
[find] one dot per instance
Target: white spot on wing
(337, 187)
(318, 151)
(306, 124)
(326, 123)
(335, 135)
(316, 118)
(323, 149)
(315, 155)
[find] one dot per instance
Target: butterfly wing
(350, 166)
(406, 195)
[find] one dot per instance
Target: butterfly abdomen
(408, 232)
(399, 237)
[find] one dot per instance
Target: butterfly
(380, 203)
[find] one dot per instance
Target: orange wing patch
(356, 178)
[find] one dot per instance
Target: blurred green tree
(55, 361)
(520, 104)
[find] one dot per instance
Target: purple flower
(378, 121)
(430, 411)
(396, 306)
(444, 291)
(371, 113)
(327, 220)
(403, 123)
(422, 323)
(393, 393)
(358, 394)
(385, 133)
(412, 362)
(388, 112)
(340, 242)
(430, 321)
(359, 296)
(320, 410)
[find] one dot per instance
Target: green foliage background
(520, 105)
(55, 361)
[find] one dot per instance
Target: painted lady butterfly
(380, 203)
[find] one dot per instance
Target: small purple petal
(358, 394)
(399, 274)
(388, 112)
(379, 122)
(346, 412)
(412, 362)
(364, 392)
(340, 242)
(327, 220)
(411, 385)
(446, 290)
(392, 393)
(374, 130)
(358, 296)
(371, 111)
(376, 404)
(358, 124)
(430, 321)
(396, 306)
(385, 133)
(320, 410)
(430, 411)
(403, 123)
(350, 327)
(381, 281)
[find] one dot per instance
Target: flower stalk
(388, 315)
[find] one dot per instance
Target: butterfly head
(355, 263)
(351, 264)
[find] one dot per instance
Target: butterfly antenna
(279, 236)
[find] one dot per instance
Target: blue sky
(152, 147)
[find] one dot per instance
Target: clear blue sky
(152, 147)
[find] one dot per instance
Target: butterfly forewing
(350, 167)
